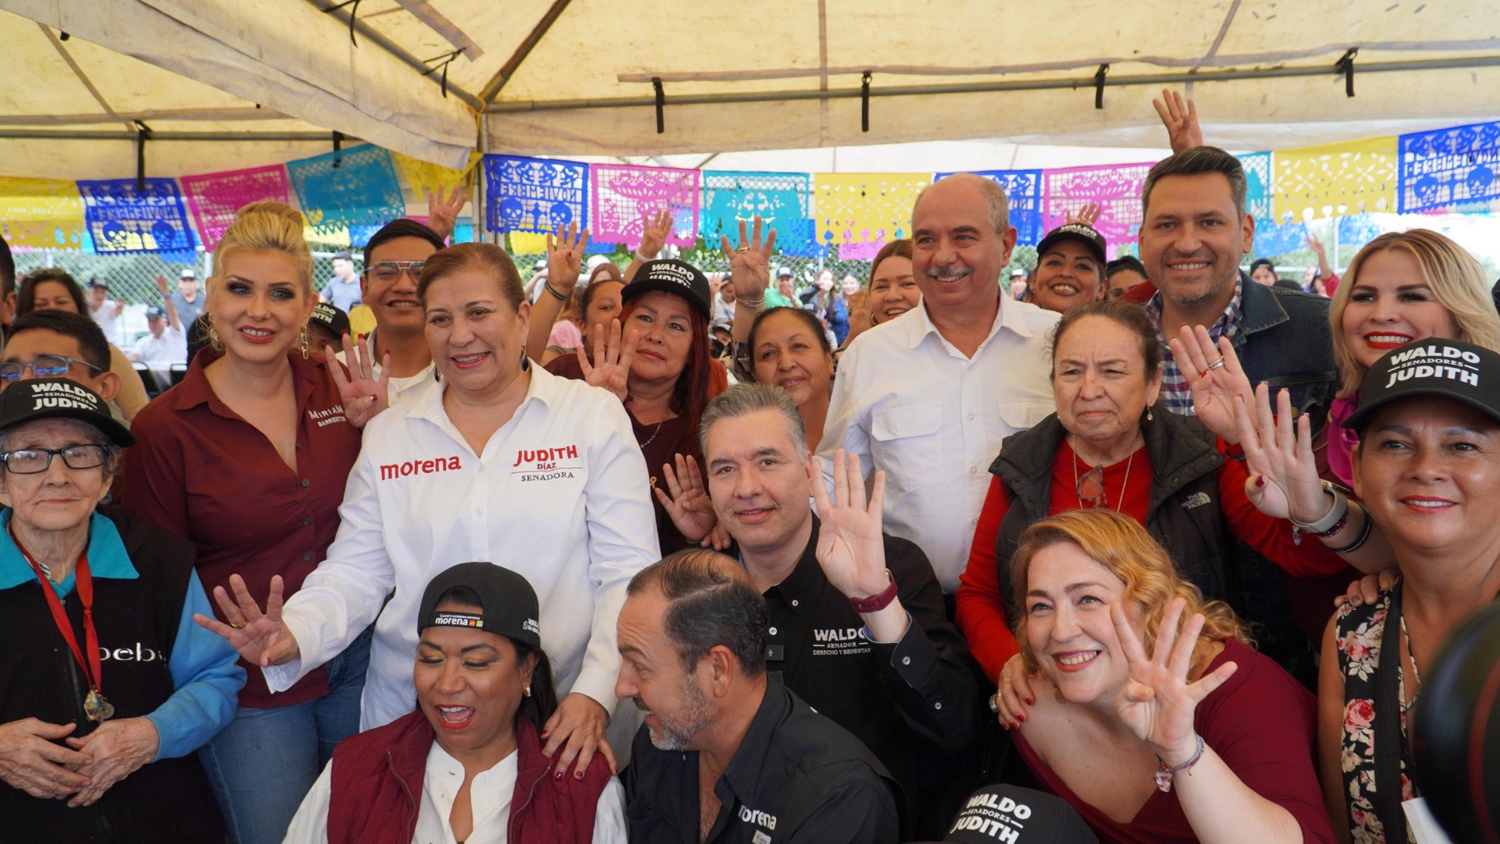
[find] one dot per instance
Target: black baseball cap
(508, 601)
(330, 317)
(59, 398)
(1450, 369)
(670, 275)
(1082, 232)
(1010, 814)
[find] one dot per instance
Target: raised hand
(1158, 702)
(442, 212)
(362, 392)
(31, 762)
(655, 229)
(1317, 247)
(750, 264)
(576, 732)
(850, 546)
(565, 257)
(1181, 119)
(113, 752)
(1086, 215)
(261, 638)
(688, 504)
(161, 287)
(1283, 480)
(1214, 385)
(610, 367)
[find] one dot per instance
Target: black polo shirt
(905, 700)
(797, 778)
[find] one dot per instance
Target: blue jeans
(266, 760)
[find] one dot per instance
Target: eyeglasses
(32, 461)
(45, 366)
(389, 271)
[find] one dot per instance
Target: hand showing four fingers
(610, 367)
(750, 264)
(1214, 384)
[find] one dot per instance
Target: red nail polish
(1022, 717)
(546, 733)
(578, 775)
(1004, 726)
(1030, 702)
(559, 776)
(1260, 481)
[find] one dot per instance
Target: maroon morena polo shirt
(202, 472)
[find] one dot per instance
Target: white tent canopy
(260, 81)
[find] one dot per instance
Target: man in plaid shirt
(1193, 234)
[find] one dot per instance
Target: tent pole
(477, 189)
(1086, 83)
(106, 135)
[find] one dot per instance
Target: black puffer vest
(1184, 514)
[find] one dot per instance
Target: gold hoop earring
(304, 342)
(213, 339)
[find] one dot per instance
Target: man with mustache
(1194, 232)
(727, 754)
(928, 396)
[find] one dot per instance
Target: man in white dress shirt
(929, 395)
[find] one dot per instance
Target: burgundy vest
(377, 787)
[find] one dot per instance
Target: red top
(1260, 722)
(200, 471)
(981, 608)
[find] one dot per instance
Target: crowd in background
(1158, 548)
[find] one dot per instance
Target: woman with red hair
(656, 359)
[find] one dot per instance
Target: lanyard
(85, 583)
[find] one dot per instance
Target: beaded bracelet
(1164, 772)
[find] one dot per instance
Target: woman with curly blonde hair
(1203, 740)
(1402, 287)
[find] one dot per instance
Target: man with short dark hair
(394, 257)
(343, 290)
(1194, 233)
(60, 344)
(727, 754)
(894, 675)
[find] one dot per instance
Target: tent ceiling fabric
(205, 66)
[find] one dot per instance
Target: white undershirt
(489, 804)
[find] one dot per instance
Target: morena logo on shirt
(393, 471)
(757, 817)
(541, 464)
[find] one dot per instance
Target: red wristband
(876, 603)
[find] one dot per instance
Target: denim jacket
(1285, 340)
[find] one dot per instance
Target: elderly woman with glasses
(1111, 445)
(106, 685)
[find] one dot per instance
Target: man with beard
(1194, 233)
(727, 754)
(928, 398)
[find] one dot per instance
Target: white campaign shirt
(489, 803)
(560, 495)
(909, 402)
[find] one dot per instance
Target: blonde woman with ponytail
(248, 458)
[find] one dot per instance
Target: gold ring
(240, 626)
(743, 249)
(1218, 364)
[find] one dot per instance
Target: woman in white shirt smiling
(498, 458)
(467, 765)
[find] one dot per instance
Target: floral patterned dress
(1359, 632)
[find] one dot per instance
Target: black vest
(1184, 514)
(137, 620)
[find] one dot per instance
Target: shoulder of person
(1270, 688)
(152, 552)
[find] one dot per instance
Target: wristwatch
(1336, 514)
(876, 603)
